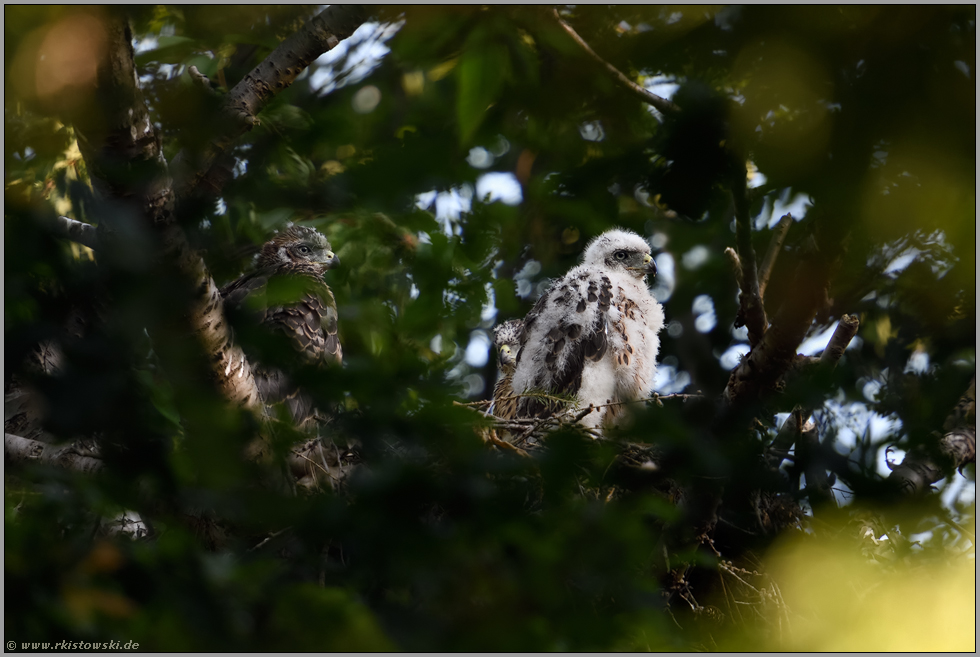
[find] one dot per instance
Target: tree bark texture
(768, 360)
(122, 150)
(957, 447)
(751, 312)
(77, 231)
(775, 248)
(17, 449)
(790, 431)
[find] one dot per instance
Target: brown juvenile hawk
(593, 334)
(288, 294)
(507, 339)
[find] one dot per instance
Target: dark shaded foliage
(436, 541)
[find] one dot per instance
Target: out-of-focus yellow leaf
(841, 601)
(413, 82)
(437, 73)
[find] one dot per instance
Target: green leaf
(309, 618)
(483, 69)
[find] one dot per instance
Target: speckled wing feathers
(566, 328)
(592, 336)
(288, 295)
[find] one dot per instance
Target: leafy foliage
(457, 158)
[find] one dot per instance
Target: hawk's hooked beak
(330, 260)
(650, 265)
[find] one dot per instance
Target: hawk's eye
(620, 255)
(304, 249)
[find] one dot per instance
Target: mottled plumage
(506, 338)
(287, 293)
(593, 335)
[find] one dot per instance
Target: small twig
(775, 246)
(306, 458)
(534, 428)
(494, 440)
(963, 530)
(267, 539)
(786, 437)
(736, 265)
(202, 80)
(525, 428)
(482, 402)
(662, 104)
(669, 612)
(732, 571)
(751, 313)
(583, 413)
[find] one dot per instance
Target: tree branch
(790, 431)
(123, 152)
(210, 170)
(736, 265)
(768, 360)
(19, 450)
(662, 104)
(846, 330)
(77, 231)
(922, 467)
(775, 247)
(751, 313)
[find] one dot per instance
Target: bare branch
(736, 265)
(662, 104)
(846, 330)
(278, 71)
(124, 155)
(201, 79)
(790, 431)
(775, 246)
(751, 312)
(786, 436)
(20, 450)
(921, 468)
(775, 353)
(77, 231)
(495, 440)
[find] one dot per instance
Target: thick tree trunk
(123, 152)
